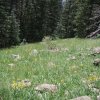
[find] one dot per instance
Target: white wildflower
(11, 65)
(34, 52)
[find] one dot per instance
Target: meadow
(66, 63)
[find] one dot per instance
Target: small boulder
(15, 57)
(46, 87)
(96, 62)
(82, 98)
(98, 97)
(96, 50)
(26, 82)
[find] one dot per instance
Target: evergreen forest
(31, 20)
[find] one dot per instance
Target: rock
(98, 97)
(26, 82)
(82, 98)
(96, 50)
(96, 62)
(46, 87)
(15, 57)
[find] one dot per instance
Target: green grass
(72, 77)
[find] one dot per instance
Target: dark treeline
(31, 20)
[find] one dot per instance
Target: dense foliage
(31, 20)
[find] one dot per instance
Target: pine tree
(52, 16)
(31, 20)
(9, 27)
(27, 18)
(14, 30)
(82, 17)
(11, 31)
(4, 9)
(68, 17)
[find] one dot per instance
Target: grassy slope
(68, 75)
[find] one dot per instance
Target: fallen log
(94, 33)
(93, 26)
(95, 18)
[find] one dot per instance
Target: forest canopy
(31, 20)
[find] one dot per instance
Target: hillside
(68, 64)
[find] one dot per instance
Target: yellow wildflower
(62, 81)
(93, 78)
(20, 84)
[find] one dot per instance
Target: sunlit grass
(72, 76)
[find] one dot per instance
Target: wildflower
(81, 65)
(11, 65)
(62, 81)
(84, 81)
(34, 52)
(74, 69)
(51, 64)
(92, 78)
(20, 84)
(66, 93)
(95, 90)
(54, 50)
(65, 49)
(71, 58)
